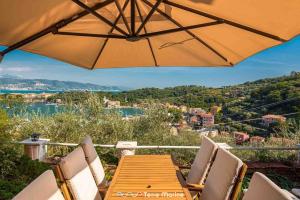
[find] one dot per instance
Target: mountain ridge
(11, 82)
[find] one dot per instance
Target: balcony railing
(38, 149)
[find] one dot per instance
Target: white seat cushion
(222, 176)
(262, 188)
(43, 187)
(202, 162)
(93, 160)
(78, 176)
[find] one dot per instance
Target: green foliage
(175, 114)
(9, 188)
(16, 171)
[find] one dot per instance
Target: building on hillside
(58, 101)
(257, 140)
(207, 119)
(270, 119)
(240, 137)
(135, 105)
(208, 132)
(112, 104)
(215, 109)
(194, 121)
(201, 120)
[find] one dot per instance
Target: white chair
(43, 187)
(93, 161)
(202, 163)
(262, 188)
(78, 176)
(224, 178)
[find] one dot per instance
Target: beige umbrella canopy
(137, 33)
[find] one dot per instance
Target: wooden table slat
(148, 177)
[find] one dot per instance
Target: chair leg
(63, 184)
(238, 185)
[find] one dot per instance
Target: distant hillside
(278, 95)
(9, 82)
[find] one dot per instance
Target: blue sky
(277, 61)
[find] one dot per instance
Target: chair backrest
(43, 187)
(262, 188)
(203, 161)
(222, 177)
(93, 160)
(78, 176)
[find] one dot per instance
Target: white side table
(36, 150)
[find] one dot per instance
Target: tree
(175, 114)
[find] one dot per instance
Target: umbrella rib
(247, 28)
(174, 30)
(106, 40)
(122, 15)
(115, 36)
(149, 16)
(93, 12)
(189, 32)
(99, 54)
(53, 28)
(148, 40)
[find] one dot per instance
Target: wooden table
(147, 177)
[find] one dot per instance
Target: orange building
(207, 119)
(240, 137)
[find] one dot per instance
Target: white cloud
(15, 69)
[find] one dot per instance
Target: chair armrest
(195, 187)
(103, 188)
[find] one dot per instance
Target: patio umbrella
(137, 33)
